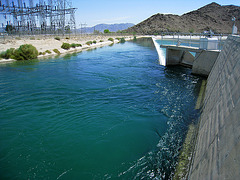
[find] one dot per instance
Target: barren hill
(212, 16)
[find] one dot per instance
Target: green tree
(9, 28)
(67, 29)
(106, 31)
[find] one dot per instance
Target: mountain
(212, 16)
(110, 27)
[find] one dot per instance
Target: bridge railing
(201, 41)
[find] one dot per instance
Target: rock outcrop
(210, 17)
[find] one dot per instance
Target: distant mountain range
(110, 27)
(210, 17)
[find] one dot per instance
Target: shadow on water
(68, 56)
(23, 65)
(145, 42)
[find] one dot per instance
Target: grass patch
(57, 38)
(73, 45)
(18, 38)
(56, 51)
(101, 41)
(89, 43)
(32, 38)
(47, 51)
(111, 39)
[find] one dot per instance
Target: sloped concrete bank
(217, 148)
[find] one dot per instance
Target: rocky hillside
(212, 16)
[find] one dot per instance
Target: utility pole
(234, 28)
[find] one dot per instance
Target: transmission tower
(56, 16)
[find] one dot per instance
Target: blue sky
(94, 12)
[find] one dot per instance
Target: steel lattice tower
(58, 16)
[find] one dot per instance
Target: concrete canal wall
(217, 148)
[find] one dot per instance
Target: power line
(58, 16)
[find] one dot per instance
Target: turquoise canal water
(109, 113)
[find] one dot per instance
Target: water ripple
(104, 114)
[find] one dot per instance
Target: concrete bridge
(201, 63)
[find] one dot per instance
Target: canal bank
(217, 137)
(218, 140)
(217, 149)
(51, 46)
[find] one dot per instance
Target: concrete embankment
(216, 154)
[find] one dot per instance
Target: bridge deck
(186, 48)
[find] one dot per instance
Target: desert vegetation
(24, 52)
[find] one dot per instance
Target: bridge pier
(201, 63)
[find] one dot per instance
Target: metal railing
(200, 41)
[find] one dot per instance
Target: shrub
(66, 46)
(67, 38)
(94, 42)
(118, 38)
(56, 51)
(106, 31)
(40, 53)
(7, 54)
(78, 45)
(111, 39)
(135, 38)
(89, 43)
(191, 30)
(47, 51)
(57, 38)
(101, 41)
(25, 52)
(122, 40)
(73, 45)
